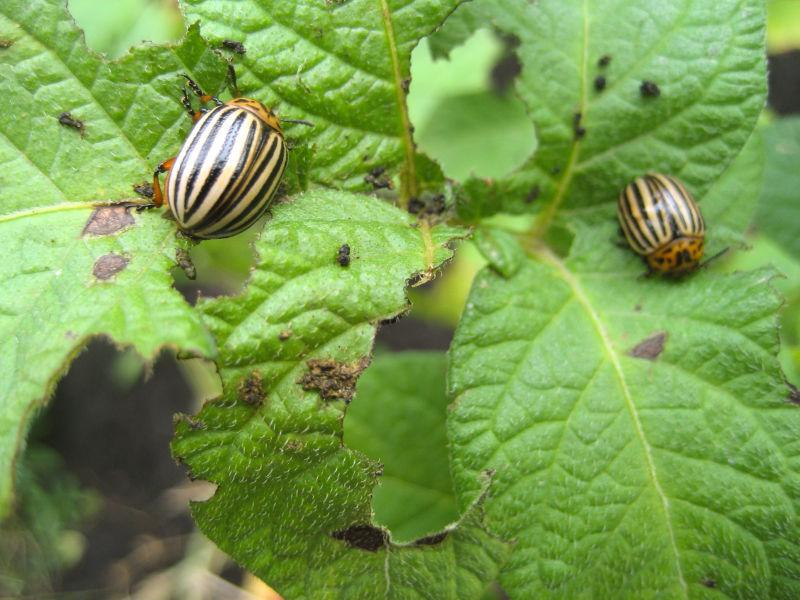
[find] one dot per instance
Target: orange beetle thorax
(677, 257)
(259, 110)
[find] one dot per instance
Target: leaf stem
(409, 187)
(547, 215)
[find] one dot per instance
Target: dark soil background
(116, 440)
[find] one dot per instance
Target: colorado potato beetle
(662, 223)
(227, 170)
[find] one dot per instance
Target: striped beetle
(662, 223)
(227, 170)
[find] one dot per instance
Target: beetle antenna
(715, 257)
(298, 122)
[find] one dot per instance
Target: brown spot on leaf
(109, 265)
(6, 44)
(332, 379)
(431, 540)
(650, 348)
(794, 394)
(70, 335)
(106, 220)
(285, 335)
(293, 445)
(364, 537)
(251, 390)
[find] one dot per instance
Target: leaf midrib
(608, 348)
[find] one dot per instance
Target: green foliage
(39, 540)
(711, 81)
(293, 504)
(608, 435)
(779, 209)
(75, 272)
(658, 460)
(341, 65)
(401, 403)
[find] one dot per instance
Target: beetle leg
(158, 197)
(204, 98)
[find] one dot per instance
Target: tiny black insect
(234, 46)
(66, 119)
(649, 89)
(343, 256)
(144, 189)
(600, 83)
(604, 60)
(377, 180)
(579, 130)
(533, 194)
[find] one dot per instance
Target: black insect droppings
(343, 255)
(251, 390)
(708, 582)
(532, 194)
(106, 220)
(67, 120)
(431, 540)
(144, 189)
(363, 537)
(377, 179)
(577, 128)
(184, 261)
(109, 265)
(649, 89)
(600, 83)
(234, 46)
(555, 170)
(651, 347)
(604, 61)
(333, 380)
(6, 44)
(406, 84)
(429, 205)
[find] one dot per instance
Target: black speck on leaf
(343, 255)
(649, 89)
(600, 83)
(363, 537)
(604, 61)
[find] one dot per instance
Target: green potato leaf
(293, 504)
(342, 65)
(779, 209)
(80, 270)
(398, 418)
(640, 430)
(706, 61)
